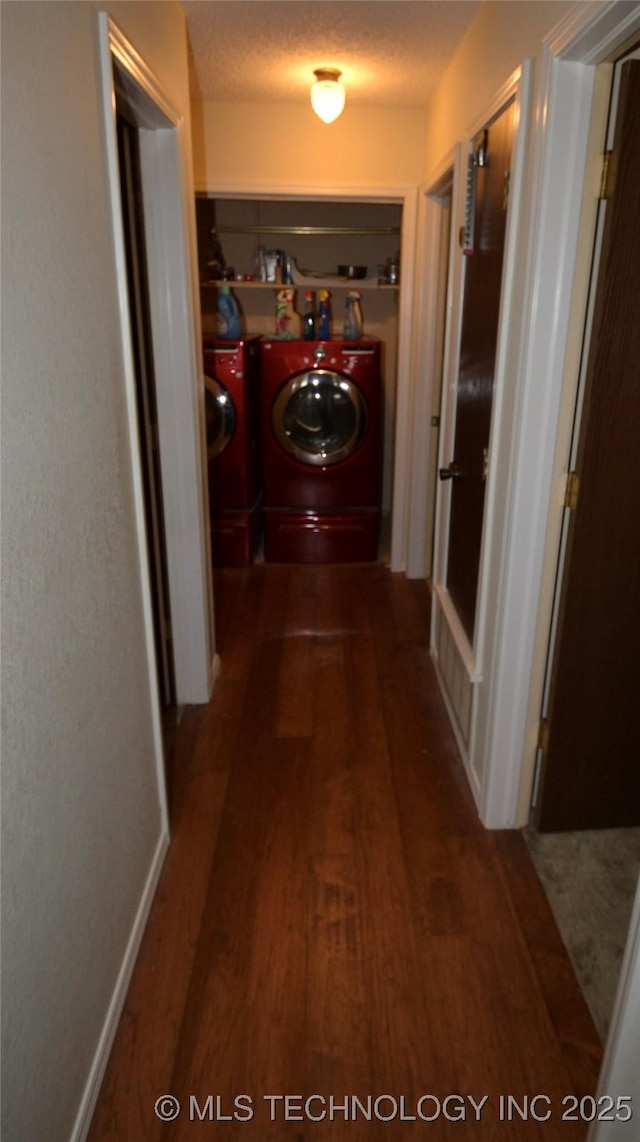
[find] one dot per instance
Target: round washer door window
(220, 417)
(319, 417)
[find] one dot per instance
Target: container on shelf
(228, 317)
(288, 322)
(309, 318)
(324, 320)
(259, 264)
(352, 317)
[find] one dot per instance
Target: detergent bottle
(324, 332)
(353, 317)
(288, 322)
(228, 319)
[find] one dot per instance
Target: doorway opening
(586, 799)
(466, 469)
(165, 331)
(293, 204)
(309, 240)
(590, 745)
(435, 306)
(132, 197)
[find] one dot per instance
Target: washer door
(319, 417)
(220, 417)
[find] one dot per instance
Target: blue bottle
(228, 319)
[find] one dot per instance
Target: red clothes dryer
(232, 403)
(322, 450)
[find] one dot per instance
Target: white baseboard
(101, 1057)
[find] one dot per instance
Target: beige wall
(81, 820)
(502, 35)
(249, 144)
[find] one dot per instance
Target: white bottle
(353, 317)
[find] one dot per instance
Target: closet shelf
(346, 283)
(308, 230)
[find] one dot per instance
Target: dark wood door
(591, 774)
(478, 341)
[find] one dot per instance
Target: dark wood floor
(332, 918)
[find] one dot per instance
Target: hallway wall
(499, 39)
(246, 144)
(81, 820)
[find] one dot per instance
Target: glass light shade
(327, 95)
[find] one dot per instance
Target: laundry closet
(309, 245)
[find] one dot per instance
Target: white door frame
(619, 1075)
(559, 161)
(165, 169)
(465, 666)
(431, 370)
(406, 196)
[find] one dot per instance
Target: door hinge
(571, 491)
(608, 174)
(543, 736)
(542, 745)
(507, 189)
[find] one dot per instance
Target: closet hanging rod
(308, 230)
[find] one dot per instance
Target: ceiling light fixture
(327, 94)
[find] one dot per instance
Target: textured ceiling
(392, 53)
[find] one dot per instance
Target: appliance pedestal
(235, 536)
(321, 537)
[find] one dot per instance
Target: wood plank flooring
(332, 919)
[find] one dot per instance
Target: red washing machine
(322, 450)
(232, 403)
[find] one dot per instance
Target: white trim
(404, 388)
(336, 192)
(428, 362)
(620, 1073)
(152, 105)
(592, 30)
(554, 355)
(450, 370)
(119, 995)
(180, 396)
(164, 161)
(407, 196)
(487, 646)
(455, 726)
(108, 101)
(557, 180)
(450, 615)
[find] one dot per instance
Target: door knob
(450, 473)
